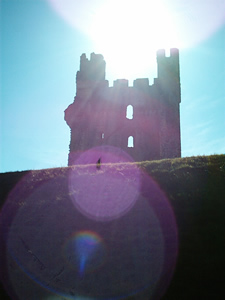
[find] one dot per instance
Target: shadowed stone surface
(98, 115)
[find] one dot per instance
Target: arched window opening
(130, 143)
(130, 112)
(103, 135)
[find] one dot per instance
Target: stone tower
(143, 120)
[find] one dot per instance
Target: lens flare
(128, 33)
(100, 186)
(50, 249)
(85, 251)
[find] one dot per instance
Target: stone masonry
(147, 116)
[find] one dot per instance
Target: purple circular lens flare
(101, 187)
(49, 249)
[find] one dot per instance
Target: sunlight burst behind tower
(128, 31)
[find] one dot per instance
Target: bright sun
(128, 33)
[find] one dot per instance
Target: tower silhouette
(143, 119)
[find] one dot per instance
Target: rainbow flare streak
(86, 251)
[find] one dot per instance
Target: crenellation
(91, 70)
(174, 52)
(98, 114)
(120, 83)
(141, 83)
(161, 53)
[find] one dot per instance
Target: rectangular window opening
(130, 143)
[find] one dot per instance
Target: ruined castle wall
(98, 114)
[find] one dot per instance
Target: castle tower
(169, 82)
(143, 120)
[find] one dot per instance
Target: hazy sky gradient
(40, 53)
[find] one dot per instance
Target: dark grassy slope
(196, 190)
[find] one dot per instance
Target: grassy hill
(37, 210)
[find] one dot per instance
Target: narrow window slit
(129, 112)
(130, 143)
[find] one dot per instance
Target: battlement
(93, 69)
(141, 83)
(98, 115)
(120, 83)
(168, 71)
(174, 52)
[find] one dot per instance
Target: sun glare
(130, 32)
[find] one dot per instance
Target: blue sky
(41, 44)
